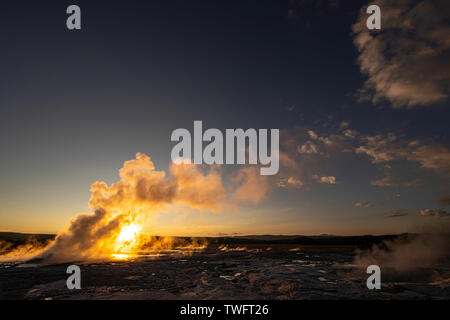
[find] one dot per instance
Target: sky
(363, 115)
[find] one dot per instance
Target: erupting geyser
(114, 228)
(120, 209)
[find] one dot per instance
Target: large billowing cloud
(142, 187)
(407, 62)
(142, 190)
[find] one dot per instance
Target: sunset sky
(363, 115)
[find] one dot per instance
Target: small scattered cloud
(344, 125)
(325, 179)
(390, 181)
(308, 148)
(307, 12)
(312, 134)
(396, 213)
(349, 133)
(415, 182)
(291, 182)
(363, 204)
(434, 213)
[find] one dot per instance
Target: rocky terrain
(234, 272)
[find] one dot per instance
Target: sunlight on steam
(128, 233)
(123, 256)
(127, 238)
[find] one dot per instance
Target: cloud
(350, 133)
(312, 134)
(344, 125)
(141, 186)
(396, 213)
(363, 204)
(408, 61)
(383, 149)
(292, 182)
(434, 213)
(389, 181)
(309, 148)
(142, 190)
(445, 200)
(435, 157)
(252, 187)
(380, 148)
(325, 179)
(415, 182)
(302, 152)
(385, 182)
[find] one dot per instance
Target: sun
(128, 233)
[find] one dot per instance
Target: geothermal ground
(254, 272)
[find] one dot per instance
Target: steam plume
(141, 190)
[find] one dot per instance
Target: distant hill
(19, 238)
(324, 240)
(320, 240)
(271, 237)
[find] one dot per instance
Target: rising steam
(411, 255)
(119, 210)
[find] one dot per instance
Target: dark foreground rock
(260, 273)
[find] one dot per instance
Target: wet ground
(236, 273)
